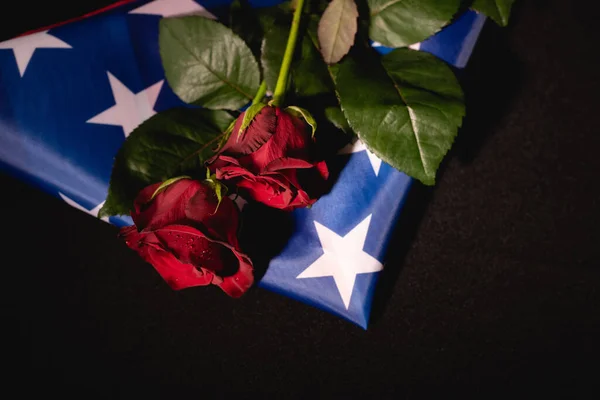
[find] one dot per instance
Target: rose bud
(272, 161)
(189, 237)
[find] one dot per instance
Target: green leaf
(171, 143)
(166, 183)
(337, 29)
(398, 23)
(498, 10)
(309, 72)
(305, 114)
(249, 116)
(410, 113)
(335, 115)
(273, 47)
(206, 63)
(251, 23)
(245, 23)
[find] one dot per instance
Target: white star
(357, 146)
(173, 8)
(415, 46)
(130, 109)
(343, 258)
(23, 47)
(93, 212)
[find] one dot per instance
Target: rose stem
(262, 90)
(282, 80)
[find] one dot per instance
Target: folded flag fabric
(70, 95)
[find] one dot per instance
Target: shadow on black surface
(402, 238)
(264, 233)
(491, 81)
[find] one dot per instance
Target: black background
(494, 275)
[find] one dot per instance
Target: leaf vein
(337, 30)
(412, 120)
(384, 6)
(200, 61)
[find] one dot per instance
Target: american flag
(70, 95)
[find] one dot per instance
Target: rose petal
(279, 188)
(267, 190)
(229, 160)
(190, 246)
(312, 182)
(232, 172)
(275, 173)
(321, 166)
(131, 236)
(298, 197)
(220, 221)
(242, 270)
(177, 274)
(145, 194)
(256, 135)
(291, 139)
(221, 161)
(286, 163)
(167, 207)
(237, 284)
(274, 189)
(301, 200)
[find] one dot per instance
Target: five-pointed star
(93, 212)
(130, 109)
(343, 258)
(173, 8)
(23, 47)
(360, 146)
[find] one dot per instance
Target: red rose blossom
(188, 240)
(272, 161)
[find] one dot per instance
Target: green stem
(282, 80)
(262, 90)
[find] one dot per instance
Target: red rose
(190, 241)
(272, 161)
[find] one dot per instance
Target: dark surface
(495, 274)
